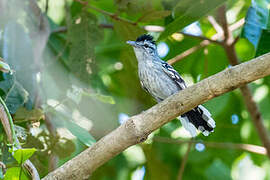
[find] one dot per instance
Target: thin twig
(46, 6)
(201, 37)
(188, 52)
(215, 25)
(237, 24)
(249, 102)
(228, 37)
(184, 162)
(204, 43)
(112, 15)
(223, 145)
(3, 167)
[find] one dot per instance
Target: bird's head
(144, 46)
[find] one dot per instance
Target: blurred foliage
(74, 80)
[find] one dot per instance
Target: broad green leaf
(84, 34)
(244, 49)
(154, 15)
(264, 43)
(82, 134)
(188, 11)
(15, 94)
(76, 94)
(100, 97)
(63, 120)
(132, 7)
(127, 31)
(218, 170)
(22, 155)
(15, 173)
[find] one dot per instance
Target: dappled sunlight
(244, 168)
(261, 93)
(162, 49)
(134, 155)
(138, 174)
(180, 132)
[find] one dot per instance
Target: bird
(161, 80)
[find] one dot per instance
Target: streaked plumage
(160, 80)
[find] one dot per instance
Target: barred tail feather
(198, 118)
(206, 115)
(188, 126)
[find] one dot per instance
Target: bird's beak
(132, 43)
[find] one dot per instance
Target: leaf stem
(6, 111)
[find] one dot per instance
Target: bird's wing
(143, 86)
(157, 98)
(173, 74)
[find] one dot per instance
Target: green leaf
(16, 95)
(127, 31)
(218, 170)
(63, 119)
(21, 155)
(4, 67)
(100, 97)
(153, 15)
(82, 134)
(188, 11)
(244, 49)
(15, 173)
(264, 43)
(84, 34)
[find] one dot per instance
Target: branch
(188, 52)
(138, 127)
(184, 162)
(250, 104)
(246, 147)
(214, 40)
(206, 42)
(216, 26)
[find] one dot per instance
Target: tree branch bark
(252, 108)
(138, 127)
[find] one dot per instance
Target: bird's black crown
(145, 37)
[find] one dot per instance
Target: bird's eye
(146, 45)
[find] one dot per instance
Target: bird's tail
(200, 119)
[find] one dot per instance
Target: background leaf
(83, 34)
(185, 14)
(21, 155)
(14, 174)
